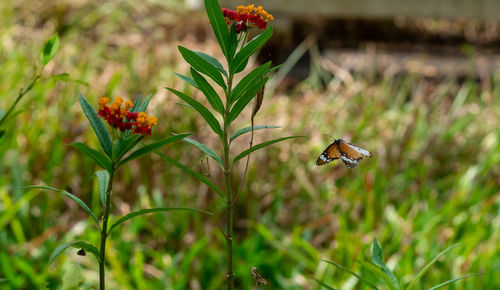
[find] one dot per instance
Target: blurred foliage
(433, 181)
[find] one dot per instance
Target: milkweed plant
(378, 273)
(208, 75)
(128, 126)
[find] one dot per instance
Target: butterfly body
(350, 154)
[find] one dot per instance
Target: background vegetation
(433, 181)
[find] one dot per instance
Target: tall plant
(129, 125)
(231, 29)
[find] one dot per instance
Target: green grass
(433, 180)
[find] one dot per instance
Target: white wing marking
(362, 151)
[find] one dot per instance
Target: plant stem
(229, 196)
(19, 97)
(104, 231)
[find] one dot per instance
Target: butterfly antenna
(328, 136)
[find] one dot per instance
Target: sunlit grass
(433, 180)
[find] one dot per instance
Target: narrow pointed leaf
(246, 98)
(187, 80)
(153, 146)
(205, 149)
(99, 158)
(209, 92)
(197, 175)
(204, 112)
(249, 129)
(426, 267)
(241, 58)
(49, 49)
(126, 144)
(351, 272)
(102, 184)
(376, 271)
(97, 124)
(261, 145)
(249, 80)
(233, 43)
(453, 281)
(219, 26)
(213, 61)
(144, 104)
(137, 103)
(201, 65)
(378, 259)
(71, 196)
(77, 244)
(323, 284)
(151, 210)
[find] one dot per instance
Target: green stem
(19, 97)
(229, 196)
(104, 231)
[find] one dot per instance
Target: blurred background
(417, 83)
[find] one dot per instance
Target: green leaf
(426, 267)
(209, 92)
(375, 270)
(453, 281)
(378, 259)
(352, 273)
(77, 244)
(249, 81)
(71, 196)
(205, 149)
(241, 58)
(213, 61)
(99, 158)
(97, 124)
(201, 65)
(204, 112)
(187, 80)
(246, 98)
(144, 104)
(249, 129)
(137, 103)
(126, 144)
(233, 42)
(219, 26)
(323, 284)
(150, 210)
(198, 176)
(261, 145)
(153, 146)
(49, 49)
(102, 184)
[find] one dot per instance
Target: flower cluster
(247, 15)
(121, 117)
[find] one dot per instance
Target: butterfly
(350, 154)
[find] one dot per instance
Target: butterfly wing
(351, 155)
(331, 153)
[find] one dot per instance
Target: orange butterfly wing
(331, 153)
(351, 155)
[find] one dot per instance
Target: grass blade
(426, 267)
(153, 146)
(453, 281)
(71, 196)
(198, 176)
(261, 145)
(249, 129)
(378, 259)
(351, 272)
(97, 124)
(77, 244)
(241, 58)
(99, 158)
(204, 112)
(205, 149)
(324, 285)
(151, 210)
